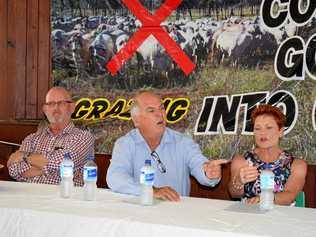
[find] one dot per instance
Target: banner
(212, 62)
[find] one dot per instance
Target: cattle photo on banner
(212, 62)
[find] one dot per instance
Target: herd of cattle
(86, 44)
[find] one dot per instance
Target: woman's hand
(253, 200)
(248, 174)
(241, 173)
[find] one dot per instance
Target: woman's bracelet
(236, 185)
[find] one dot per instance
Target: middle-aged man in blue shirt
(174, 155)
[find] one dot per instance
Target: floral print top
(280, 167)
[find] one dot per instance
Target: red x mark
(151, 26)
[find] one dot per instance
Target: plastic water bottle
(147, 174)
(267, 187)
(66, 175)
(90, 172)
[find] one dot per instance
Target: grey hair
(134, 108)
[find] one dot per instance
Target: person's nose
(55, 107)
(262, 132)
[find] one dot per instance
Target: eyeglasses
(58, 103)
(160, 165)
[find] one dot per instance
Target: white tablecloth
(37, 210)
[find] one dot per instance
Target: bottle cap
(267, 166)
(147, 162)
(67, 155)
(90, 157)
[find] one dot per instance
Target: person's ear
(44, 108)
(135, 121)
(72, 107)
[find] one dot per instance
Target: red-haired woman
(289, 172)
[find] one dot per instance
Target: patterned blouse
(280, 167)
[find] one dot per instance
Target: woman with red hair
(289, 172)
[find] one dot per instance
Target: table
(37, 210)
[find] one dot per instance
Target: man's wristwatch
(25, 156)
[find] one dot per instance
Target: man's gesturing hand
(213, 169)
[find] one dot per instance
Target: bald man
(40, 155)
(175, 157)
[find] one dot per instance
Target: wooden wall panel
(220, 191)
(309, 187)
(3, 58)
(25, 61)
(103, 162)
(20, 58)
(32, 59)
(44, 58)
(11, 53)
(21, 130)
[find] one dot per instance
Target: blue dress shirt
(180, 155)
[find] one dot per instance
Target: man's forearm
(32, 172)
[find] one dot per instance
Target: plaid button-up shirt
(73, 140)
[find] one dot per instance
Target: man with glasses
(174, 156)
(39, 157)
